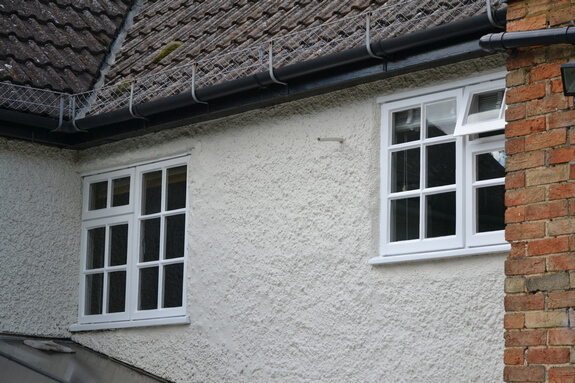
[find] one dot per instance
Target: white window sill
(387, 259)
(128, 324)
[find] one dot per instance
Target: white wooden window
(133, 262)
(443, 169)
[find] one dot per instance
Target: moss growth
(104, 42)
(166, 51)
(123, 87)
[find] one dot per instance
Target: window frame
(463, 128)
(465, 241)
(132, 214)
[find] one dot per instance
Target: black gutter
(303, 79)
(512, 40)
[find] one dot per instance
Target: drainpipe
(511, 40)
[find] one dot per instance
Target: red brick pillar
(540, 198)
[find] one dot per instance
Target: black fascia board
(436, 46)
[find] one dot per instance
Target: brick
(515, 214)
(548, 175)
(561, 299)
(562, 375)
(524, 373)
(528, 23)
(515, 112)
(525, 93)
(524, 196)
(562, 119)
(544, 72)
(561, 262)
(525, 127)
(562, 52)
(564, 190)
(546, 139)
(548, 246)
(525, 266)
(544, 319)
(527, 57)
(525, 338)
(523, 161)
(514, 321)
(514, 180)
(514, 356)
(562, 336)
(561, 16)
(544, 5)
(515, 145)
(524, 231)
(546, 105)
(555, 355)
(518, 250)
(560, 155)
(556, 86)
(514, 285)
(515, 77)
(524, 302)
(548, 282)
(516, 11)
(572, 171)
(561, 226)
(572, 278)
(546, 210)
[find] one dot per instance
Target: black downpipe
(511, 40)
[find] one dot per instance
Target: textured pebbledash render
(40, 204)
(539, 337)
(281, 229)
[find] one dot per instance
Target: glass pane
(94, 294)
(151, 192)
(96, 246)
(404, 219)
(440, 213)
(150, 242)
(406, 125)
(177, 187)
(173, 285)
(118, 244)
(121, 191)
(490, 165)
(148, 297)
(98, 195)
(405, 170)
(175, 235)
(440, 118)
(485, 106)
(116, 291)
(490, 208)
(441, 164)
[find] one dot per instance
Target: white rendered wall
(281, 229)
(40, 193)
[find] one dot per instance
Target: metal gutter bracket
(131, 110)
(490, 15)
(70, 128)
(368, 37)
(194, 67)
(271, 66)
(60, 117)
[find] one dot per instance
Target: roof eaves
(450, 42)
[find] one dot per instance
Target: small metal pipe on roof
(511, 40)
